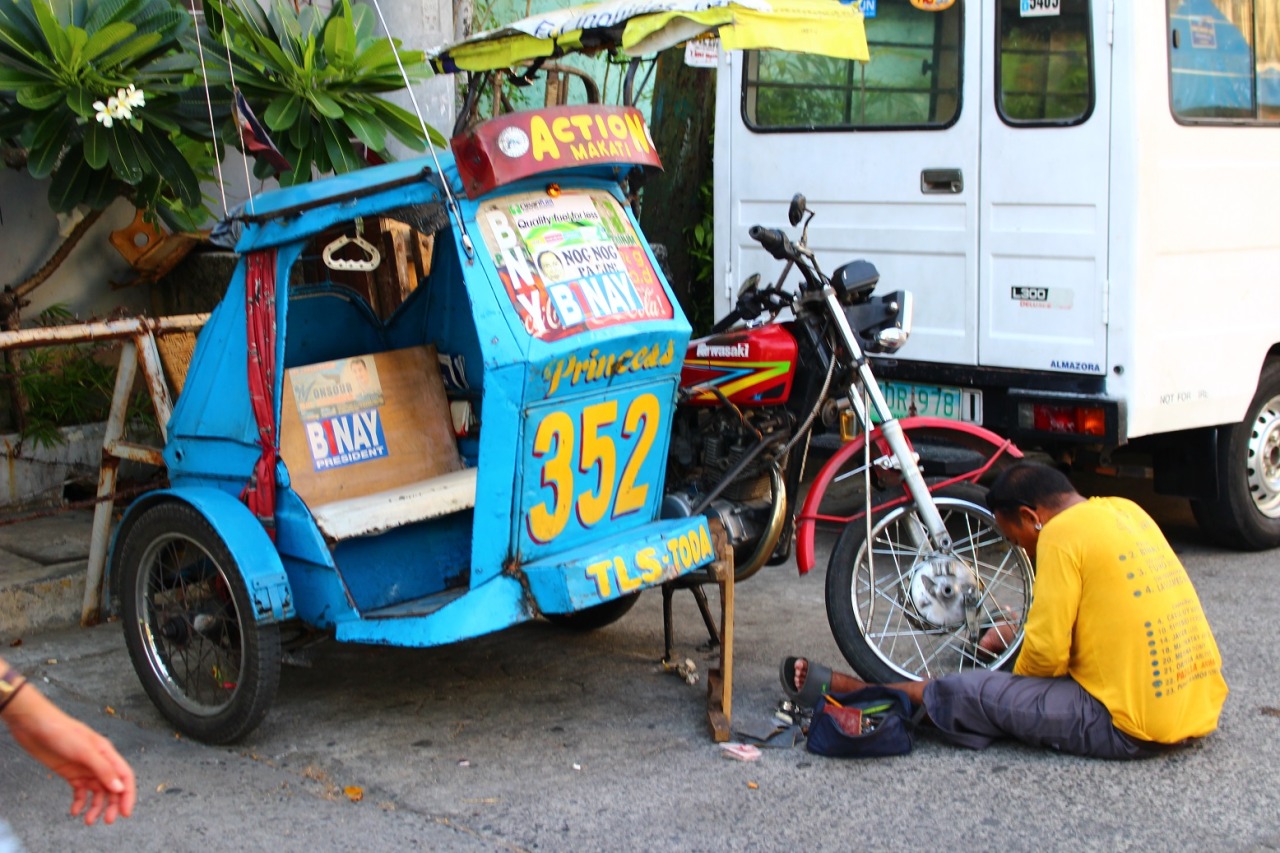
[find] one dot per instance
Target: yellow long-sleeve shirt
(1114, 609)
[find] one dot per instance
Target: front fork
(934, 538)
(890, 430)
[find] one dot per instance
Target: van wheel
(1246, 514)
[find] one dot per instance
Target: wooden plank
(720, 681)
(413, 413)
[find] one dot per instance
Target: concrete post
(423, 25)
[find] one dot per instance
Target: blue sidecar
(470, 436)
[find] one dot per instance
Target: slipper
(817, 682)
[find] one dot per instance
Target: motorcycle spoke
(883, 574)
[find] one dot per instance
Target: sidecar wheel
(1246, 513)
(594, 618)
(878, 629)
(188, 624)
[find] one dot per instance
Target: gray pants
(972, 709)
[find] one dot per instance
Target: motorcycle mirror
(752, 282)
(797, 209)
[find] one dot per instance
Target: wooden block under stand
(719, 679)
(367, 424)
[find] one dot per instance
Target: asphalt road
(537, 739)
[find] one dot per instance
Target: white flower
(120, 106)
(104, 113)
(133, 97)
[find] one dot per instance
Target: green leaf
(55, 37)
(77, 38)
(21, 70)
(123, 156)
(283, 112)
(378, 56)
(40, 97)
(96, 140)
(69, 183)
(81, 100)
(325, 105)
(48, 142)
(106, 38)
(130, 51)
(173, 168)
(340, 42)
(341, 155)
(362, 17)
(367, 130)
(100, 188)
(107, 12)
(300, 168)
(19, 26)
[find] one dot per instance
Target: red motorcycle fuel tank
(752, 367)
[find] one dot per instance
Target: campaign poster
(339, 403)
(571, 262)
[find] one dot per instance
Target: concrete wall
(29, 236)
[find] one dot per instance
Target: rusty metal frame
(138, 351)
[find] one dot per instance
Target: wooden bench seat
(448, 493)
(373, 449)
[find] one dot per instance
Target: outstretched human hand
(100, 779)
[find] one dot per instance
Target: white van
(1084, 197)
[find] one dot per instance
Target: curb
(53, 601)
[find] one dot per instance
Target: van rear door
(1043, 198)
(988, 201)
(886, 153)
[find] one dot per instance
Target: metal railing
(138, 352)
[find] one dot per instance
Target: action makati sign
(523, 144)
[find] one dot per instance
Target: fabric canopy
(643, 27)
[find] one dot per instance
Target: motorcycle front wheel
(883, 634)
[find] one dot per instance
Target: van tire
(1245, 515)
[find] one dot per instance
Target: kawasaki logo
(739, 350)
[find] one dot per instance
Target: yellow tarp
(807, 26)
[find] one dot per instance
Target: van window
(1045, 63)
(1224, 59)
(912, 80)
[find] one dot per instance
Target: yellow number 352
(566, 448)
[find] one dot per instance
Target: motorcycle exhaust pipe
(773, 532)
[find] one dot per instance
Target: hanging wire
(235, 90)
(426, 135)
(208, 100)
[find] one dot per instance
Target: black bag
(868, 723)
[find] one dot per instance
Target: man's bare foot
(840, 682)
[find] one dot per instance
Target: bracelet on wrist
(10, 683)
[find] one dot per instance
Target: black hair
(1029, 484)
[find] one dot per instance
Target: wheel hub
(938, 590)
(1264, 459)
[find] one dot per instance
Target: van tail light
(1074, 420)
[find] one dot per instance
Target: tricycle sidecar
(491, 449)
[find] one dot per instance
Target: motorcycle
(919, 574)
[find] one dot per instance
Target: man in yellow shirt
(1117, 660)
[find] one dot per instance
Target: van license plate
(911, 399)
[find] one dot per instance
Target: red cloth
(260, 318)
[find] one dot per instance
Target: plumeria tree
(107, 99)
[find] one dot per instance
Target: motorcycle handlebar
(774, 242)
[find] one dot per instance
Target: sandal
(817, 682)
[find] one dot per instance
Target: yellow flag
(808, 26)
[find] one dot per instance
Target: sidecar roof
(303, 210)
